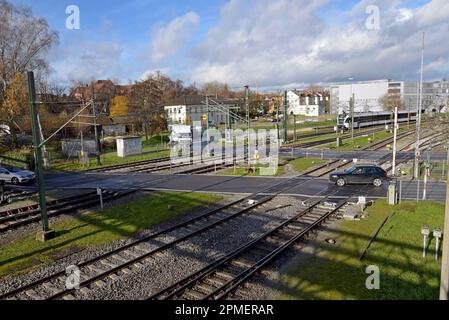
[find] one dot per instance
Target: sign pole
(444, 283)
(395, 139)
(46, 232)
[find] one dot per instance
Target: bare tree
(389, 101)
(24, 42)
(146, 105)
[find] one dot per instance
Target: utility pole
(418, 124)
(97, 139)
(207, 126)
(248, 124)
(285, 117)
(444, 282)
(395, 138)
(352, 117)
(46, 232)
(294, 119)
(277, 117)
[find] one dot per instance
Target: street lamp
(444, 282)
(352, 106)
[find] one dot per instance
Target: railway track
(333, 165)
(330, 140)
(223, 276)
(11, 196)
(128, 165)
(111, 265)
(14, 218)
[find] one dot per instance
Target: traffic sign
(204, 117)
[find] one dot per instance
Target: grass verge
(107, 159)
(241, 171)
(302, 164)
(335, 272)
(90, 230)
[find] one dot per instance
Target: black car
(360, 174)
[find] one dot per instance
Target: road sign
(204, 117)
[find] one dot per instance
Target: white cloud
(404, 14)
(288, 41)
(86, 61)
(170, 38)
(149, 73)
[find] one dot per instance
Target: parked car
(16, 175)
(360, 174)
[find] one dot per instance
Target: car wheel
(15, 180)
(341, 182)
(377, 182)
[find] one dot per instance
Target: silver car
(15, 175)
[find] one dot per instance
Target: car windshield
(350, 170)
(12, 169)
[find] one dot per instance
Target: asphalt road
(233, 185)
(361, 154)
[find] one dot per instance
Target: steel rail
(25, 218)
(135, 243)
(181, 286)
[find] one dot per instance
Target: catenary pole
(418, 124)
(395, 138)
(97, 139)
(444, 282)
(46, 232)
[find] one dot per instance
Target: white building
(186, 110)
(307, 104)
(441, 95)
(367, 95)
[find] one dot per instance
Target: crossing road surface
(231, 185)
(361, 154)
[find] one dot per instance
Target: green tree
(120, 106)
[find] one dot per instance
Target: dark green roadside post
(285, 117)
(294, 134)
(46, 232)
(97, 138)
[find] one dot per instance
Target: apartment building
(306, 103)
(188, 109)
(368, 94)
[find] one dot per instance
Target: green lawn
(335, 271)
(107, 159)
(155, 140)
(360, 142)
(99, 228)
(241, 171)
(302, 164)
(20, 155)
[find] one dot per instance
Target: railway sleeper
(215, 281)
(242, 262)
(226, 276)
(33, 295)
(204, 288)
(192, 295)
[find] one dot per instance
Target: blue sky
(266, 43)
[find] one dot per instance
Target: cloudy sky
(263, 43)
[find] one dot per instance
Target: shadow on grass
(340, 274)
(114, 223)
